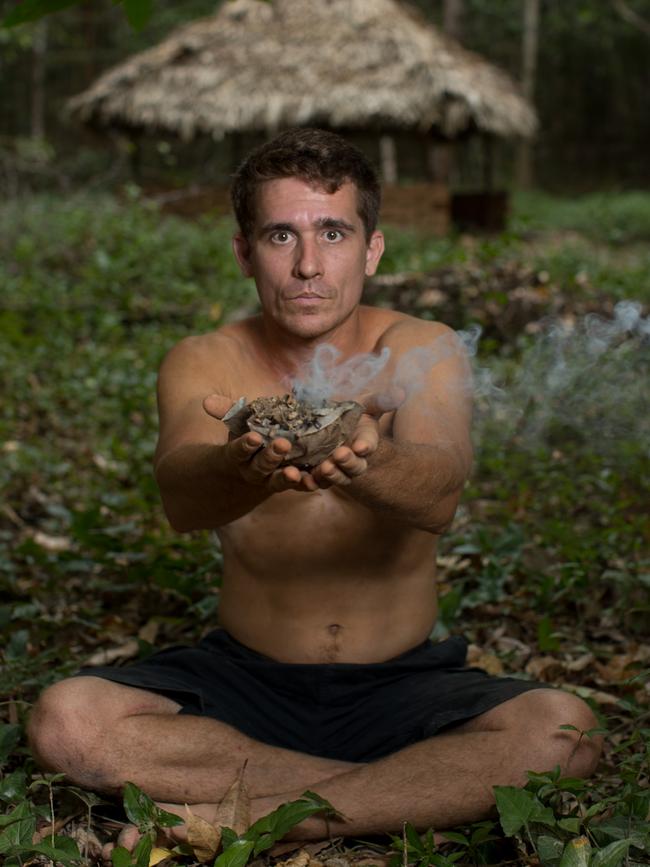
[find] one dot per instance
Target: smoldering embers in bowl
(313, 431)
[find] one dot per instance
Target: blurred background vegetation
(546, 568)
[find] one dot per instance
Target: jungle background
(546, 567)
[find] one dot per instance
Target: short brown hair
(321, 158)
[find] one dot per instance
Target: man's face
(308, 254)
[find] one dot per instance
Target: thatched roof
(259, 66)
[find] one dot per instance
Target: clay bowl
(313, 431)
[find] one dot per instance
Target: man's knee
(545, 718)
(65, 730)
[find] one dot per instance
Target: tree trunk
(525, 173)
(452, 15)
(39, 53)
(388, 159)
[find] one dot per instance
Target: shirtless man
(321, 675)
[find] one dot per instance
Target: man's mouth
(308, 296)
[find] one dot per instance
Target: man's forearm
(200, 492)
(418, 484)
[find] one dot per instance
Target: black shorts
(343, 711)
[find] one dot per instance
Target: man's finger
(366, 436)
(378, 403)
(269, 459)
(217, 405)
(243, 448)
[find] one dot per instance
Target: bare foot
(129, 836)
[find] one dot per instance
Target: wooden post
(39, 55)
(388, 159)
(528, 76)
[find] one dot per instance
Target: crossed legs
(102, 734)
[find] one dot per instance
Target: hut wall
(425, 206)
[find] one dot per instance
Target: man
(321, 675)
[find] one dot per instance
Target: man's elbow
(439, 517)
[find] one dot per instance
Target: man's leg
(447, 780)
(102, 734)
(127, 734)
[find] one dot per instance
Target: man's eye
(281, 237)
(333, 235)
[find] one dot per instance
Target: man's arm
(418, 472)
(205, 480)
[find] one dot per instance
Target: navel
(334, 628)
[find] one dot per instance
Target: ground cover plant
(545, 569)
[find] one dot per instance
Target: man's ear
(242, 250)
(374, 252)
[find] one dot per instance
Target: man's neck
(287, 354)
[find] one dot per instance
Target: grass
(545, 569)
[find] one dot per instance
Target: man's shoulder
(227, 341)
(400, 330)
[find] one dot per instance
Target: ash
(288, 413)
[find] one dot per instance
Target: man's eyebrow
(267, 228)
(320, 223)
(333, 223)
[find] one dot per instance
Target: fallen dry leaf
(314, 848)
(623, 665)
(604, 699)
(480, 658)
(128, 650)
(54, 544)
(580, 663)
(158, 854)
(300, 859)
(202, 836)
(234, 811)
(545, 668)
(87, 841)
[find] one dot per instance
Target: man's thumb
(217, 405)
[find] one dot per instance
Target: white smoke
(587, 375)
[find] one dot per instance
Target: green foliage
(551, 539)
(610, 218)
(137, 12)
(268, 830)
(552, 815)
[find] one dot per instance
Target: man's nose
(308, 264)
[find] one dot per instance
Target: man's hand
(256, 463)
(347, 462)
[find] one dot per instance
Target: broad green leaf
(237, 854)
(571, 784)
(577, 853)
(63, 849)
(144, 812)
(32, 10)
(571, 824)
(455, 837)
(142, 852)
(543, 815)
(90, 799)
(9, 737)
(228, 837)
(412, 837)
(515, 808)
(612, 855)
(269, 829)
(139, 807)
(14, 786)
(483, 833)
(18, 821)
(138, 12)
(549, 848)
(121, 857)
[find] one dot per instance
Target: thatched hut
(348, 65)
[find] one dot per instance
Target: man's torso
(318, 577)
